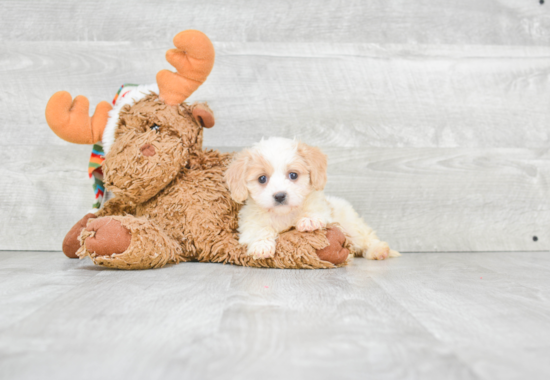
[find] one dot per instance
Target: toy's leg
(317, 249)
(71, 244)
(297, 250)
(127, 242)
(114, 206)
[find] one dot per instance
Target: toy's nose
(280, 197)
(148, 150)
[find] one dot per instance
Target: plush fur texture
(134, 95)
(282, 181)
(174, 203)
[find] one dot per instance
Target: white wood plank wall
(435, 115)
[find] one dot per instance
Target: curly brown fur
(175, 202)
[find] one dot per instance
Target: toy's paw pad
(378, 251)
(309, 224)
(262, 249)
(71, 243)
(109, 237)
(335, 252)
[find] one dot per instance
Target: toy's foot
(127, 242)
(71, 243)
(108, 236)
(309, 224)
(335, 253)
(379, 250)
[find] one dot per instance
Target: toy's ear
(235, 176)
(317, 164)
(204, 115)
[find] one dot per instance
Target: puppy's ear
(235, 176)
(316, 161)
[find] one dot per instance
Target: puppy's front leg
(260, 241)
(311, 223)
(315, 213)
(262, 249)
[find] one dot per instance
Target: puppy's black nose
(280, 197)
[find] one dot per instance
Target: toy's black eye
(293, 175)
(155, 127)
(262, 179)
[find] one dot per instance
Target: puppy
(282, 182)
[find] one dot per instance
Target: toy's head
(153, 143)
(155, 136)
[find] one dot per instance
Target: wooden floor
(425, 315)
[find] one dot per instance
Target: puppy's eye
(155, 127)
(293, 176)
(262, 179)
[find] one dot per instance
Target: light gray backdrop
(435, 114)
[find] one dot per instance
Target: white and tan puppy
(282, 182)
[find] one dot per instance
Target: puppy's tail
(394, 253)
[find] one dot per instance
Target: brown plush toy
(170, 201)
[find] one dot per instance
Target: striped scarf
(95, 166)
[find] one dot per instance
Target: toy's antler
(71, 121)
(193, 59)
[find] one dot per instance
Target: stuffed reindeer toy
(170, 200)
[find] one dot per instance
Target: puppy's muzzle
(280, 198)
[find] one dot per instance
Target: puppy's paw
(379, 250)
(262, 249)
(309, 224)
